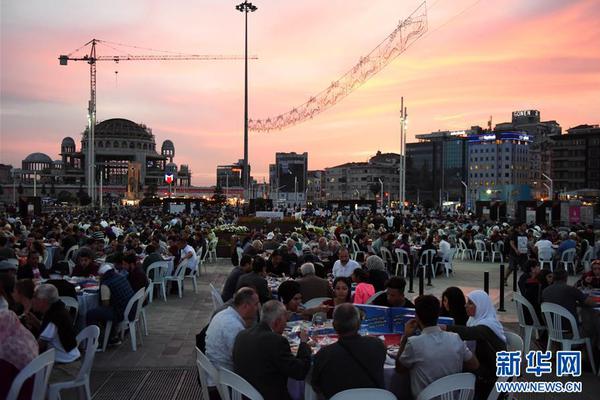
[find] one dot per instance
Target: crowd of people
(344, 258)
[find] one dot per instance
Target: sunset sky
(479, 58)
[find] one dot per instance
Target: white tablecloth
(87, 301)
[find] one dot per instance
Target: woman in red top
(364, 290)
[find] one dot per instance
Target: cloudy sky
(479, 59)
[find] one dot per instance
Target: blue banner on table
(377, 318)
(381, 319)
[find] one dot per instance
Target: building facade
(436, 166)
(315, 187)
(499, 167)
(288, 179)
(540, 149)
(118, 142)
(363, 180)
(230, 175)
(576, 159)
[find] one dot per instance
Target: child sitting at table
(364, 290)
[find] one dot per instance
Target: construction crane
(405, 34)
(92, 58)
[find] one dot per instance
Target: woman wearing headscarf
(484, 328)
(290, 296)
(453, 305)
(17, 348)
(377, 273)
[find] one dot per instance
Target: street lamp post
(381, 191)
(295, 189)
(550, 189)
(466, 195)
(246, 7)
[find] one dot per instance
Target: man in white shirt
(434, 353)
(188, 256)
(543, 245)
(344, 266)
(444, 246)
(225, 325)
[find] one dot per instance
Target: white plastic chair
(70, 252)
(212, 250)
(447, 262)
(387, 257)
(193, 275)
(567, 259)
(143, 319)
(545, 257)
(355, 250)
(135, 301)
(206, 369)
(520, 302)
(89, 335)
(554, 315)
(238, 385)
(157, 277)
(371, 299)
(464, 250)
(317, 301)
(240, 254)
(217, 300)
(345, 240)
(178, 277)
(39, 368)
(498, 250)
(309, 392)
(444, 387)
(426, 260)
(480, 249)
(71, 304)
(364, 393)
(514, 342)
(403, 261)
(586, 260)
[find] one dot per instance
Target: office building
(288, 178)
(499, 167)
(315, 187)
(363, 180)
(576, 159)
(436, 165)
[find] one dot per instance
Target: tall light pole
(466, 195)
(402, 194)
(246, 7)
(381, 192)
(550, 189)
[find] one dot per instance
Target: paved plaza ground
(164, 366)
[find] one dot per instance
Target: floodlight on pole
(246, 7)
